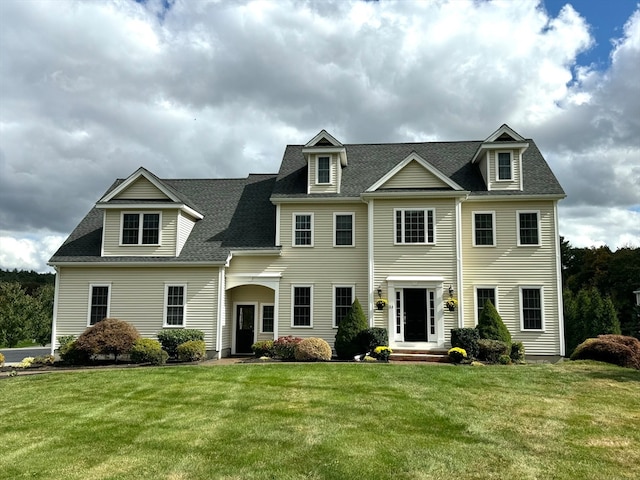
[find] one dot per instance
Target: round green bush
(147, 350)
(170, 338)
(491, 350)
(192, 351)
(263, 348)
(108, 337)
(312, 350)
(71, 355)
(504, 359)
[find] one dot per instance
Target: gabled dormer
(144, 216)
(414, 173)
(326, 157)
(499, 158)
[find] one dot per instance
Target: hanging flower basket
(451, 303)
(381, 303)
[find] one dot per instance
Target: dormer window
(140, 229)
(324, 170)
(503, 167)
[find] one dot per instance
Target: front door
(415, 315)
(245, 324)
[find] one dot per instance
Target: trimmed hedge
(108, 337)
(492, 350)
(147, 350)
(312, 350)
(467, 339)
(615, 349)
(192, 351)
(263, 348)
(171, 338)
(367, 340)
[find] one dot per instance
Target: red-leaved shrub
(617, 349)
(108, 337)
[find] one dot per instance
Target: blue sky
(90, 91)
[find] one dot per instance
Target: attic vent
(323, 142)
(505, 137)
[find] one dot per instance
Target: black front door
(415, 315)
(245, 321)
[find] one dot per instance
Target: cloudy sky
(90, 91)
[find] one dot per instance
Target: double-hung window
(503, 165)
(267, 318)
(531, 308)
(303, 229)
(484, 295)
(302, 306)
(484, 229)
(528, 228)
(343, 229)
(324, 170)
(99, 303)
(342, 301)
(174, 305)
(415, 226)
(140, 228)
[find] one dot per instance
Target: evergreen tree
(352, 324)
(491, 326)
(42, 317)
(16, 308)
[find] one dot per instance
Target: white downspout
(55, 310)
(370, 259)
(460, 280)
(559, 280)
(221, 309)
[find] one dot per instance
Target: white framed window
(323, 170)
(415, 226)
(302, 306)
(175, 305)
(303, 229)
(504, 166)
(140, 228)
(484, 294)
(528, 224)
(531, 308)
(99, 302)
(342, 301)
(267, 316)
(484, 229)
(343, 229)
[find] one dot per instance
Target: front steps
(407, 355)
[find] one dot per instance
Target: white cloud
(27, 253)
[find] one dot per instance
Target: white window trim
(532, 287)
(318, 182)
(353, 229)
(537, 212)
(293, 289)
(262, 305)
(91, 285)
(184, 305)
(497, 165)
(475, 299)
(425, 210)
(140, 224)
(333, 301)
(493, 226)
(293, 229)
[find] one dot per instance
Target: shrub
(350, 326)
(491, 327)
(367, 340)
(312, 350)
(43, 360)
(1, 360)
(504, 359)
(65, 340)
(108, 337)
(263, 348)
(517, 352)
(70, 354)
(631, 342)
(457, 354)
(285, 347)
(608, 350)
(467, 339)
(382, 353)
(491, 350)
(26, 362)
(192, 351)
(147, 350)
(170, 338)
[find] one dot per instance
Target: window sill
(173, 326)
(301, 326)
(532, 330)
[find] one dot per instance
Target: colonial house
(413, 224)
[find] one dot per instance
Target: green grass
(573, 420)
(22, 344)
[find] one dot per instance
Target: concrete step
(438, 356)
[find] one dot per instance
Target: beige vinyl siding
(333, 176)
(437, 260)
(142, 189)
(185, 225)
(112, 233)
(323, 266)
(137, 297)
(514, 183)
(509, 267)
(414, 175)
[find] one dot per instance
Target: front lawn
(324, 421)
